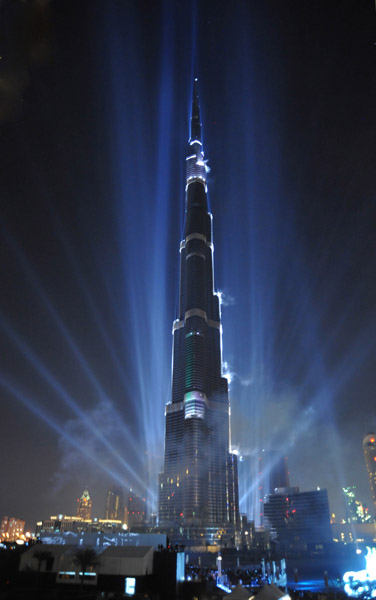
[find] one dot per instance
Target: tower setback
(198, 487)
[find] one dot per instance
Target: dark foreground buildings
(198, 489)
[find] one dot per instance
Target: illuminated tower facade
(198, 487)
(84, 505)
(114, 504)
(355, 511)
(369, 449)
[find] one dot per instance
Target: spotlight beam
(58, 388)
(55, 316)
(89, 299)
(32, 406)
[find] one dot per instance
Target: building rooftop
(126, 551)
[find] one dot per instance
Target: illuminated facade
(369, 449)
(114, 504)
(198, 487)
(84, 505)
(355, 511)
(354, 533)
(73, 524)
(11, 529)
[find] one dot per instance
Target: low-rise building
(126, 569)
(64, 523)
(354, 533)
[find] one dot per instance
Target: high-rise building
(84, 505)
(114, 503)
(298, 520)
(369, 449)
(198, 487)
(11, 529)
(135, 510)
(356, 512)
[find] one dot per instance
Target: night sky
(94, 107)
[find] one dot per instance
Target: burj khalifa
(198, 488)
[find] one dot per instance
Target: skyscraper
(369, 449)
(84, 505)
(355, 511)
(198, 487)
(135, 510)
(114, 504)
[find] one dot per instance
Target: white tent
(270, 592)
(239, 593)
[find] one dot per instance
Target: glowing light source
(194, 405)
(359, 583)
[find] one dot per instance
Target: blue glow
(130, 586)
(58, 388)
(360, 583)
(224, 587)
(32, 405)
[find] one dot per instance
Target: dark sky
(94, 106)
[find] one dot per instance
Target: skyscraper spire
(195, 116)
(196, 169)
(198, 487)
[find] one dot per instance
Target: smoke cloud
(89, 459)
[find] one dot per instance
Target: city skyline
(94, 126)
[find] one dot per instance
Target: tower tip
(195, 115)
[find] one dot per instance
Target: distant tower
(114, 504)
(135, 510)
(84, 505)
(198, 487)
(355, 511)
(369, 449)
